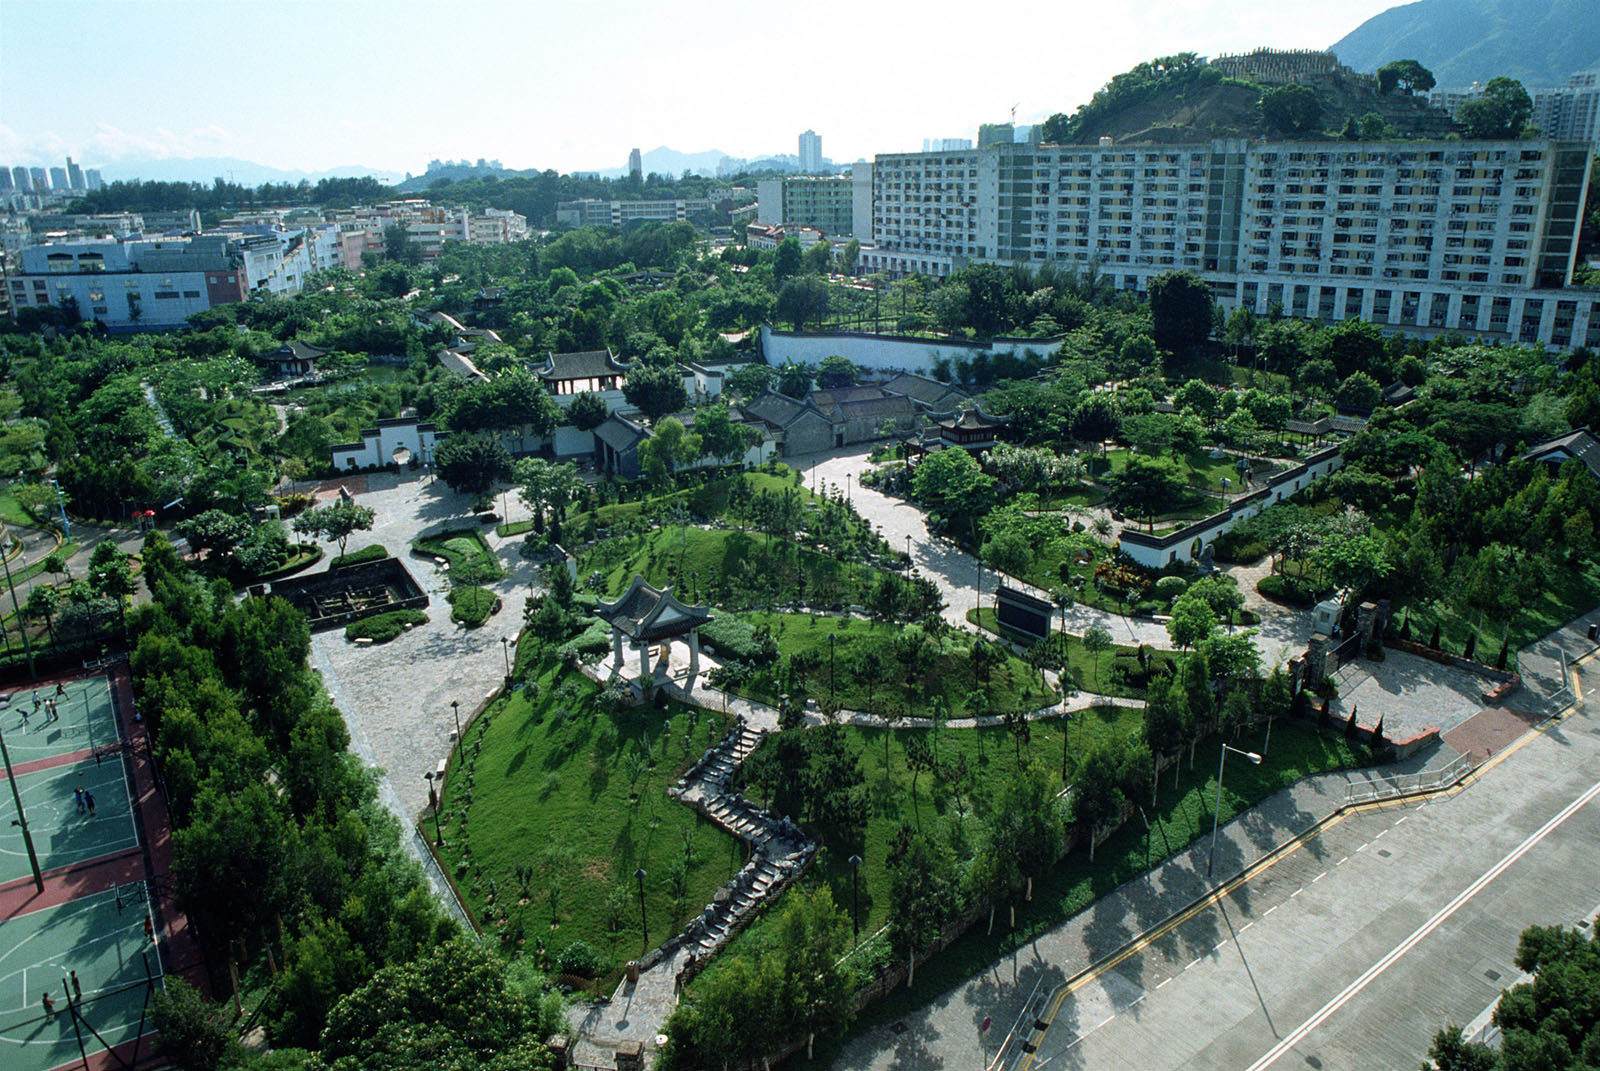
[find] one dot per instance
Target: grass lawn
(708, 500)
(735, 569)
(1203, 471)
(1177, 818)
(1012, 685)
(12, 513)
(472, 606)
(1573, 590)
(1103, 673)
(575, 793)
(463, 548)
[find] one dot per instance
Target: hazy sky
(574, 84)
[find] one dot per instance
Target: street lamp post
(433, 801)
(694, 585)
(833, 663)
(908, 550)
(455, 708)
(505, 650)
(855, 898)
(21, 820)
(644, 923)
(1216, 814)
(66, 525)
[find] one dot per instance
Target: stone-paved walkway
(1282, 631)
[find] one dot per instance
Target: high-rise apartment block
(810, 152)
(74, 175)
(1476, 236)
(823, 203)
(1565, 113)
(92, 179)
(635, 165)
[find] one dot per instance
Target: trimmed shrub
(733, 635)
(471, 606)
(381, 628)
(374, 553)
(578, 958)
(1279, 589)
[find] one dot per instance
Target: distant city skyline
(167, 78)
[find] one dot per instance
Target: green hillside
(1537, 42)
(1180, 99)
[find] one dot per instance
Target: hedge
(374, 553)
(381, 628)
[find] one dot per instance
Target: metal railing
(1372, 790)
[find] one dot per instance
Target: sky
(574, 84)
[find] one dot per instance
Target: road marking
(1193, 962)
(1319, 877)
(1270, 910)
(1343, 861)
(1246, 926)
(1297, 892)
(1160, 984)
(1399, 950)
(1380, 834)
(1403, 818)
(1220, 946)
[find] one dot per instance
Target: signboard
(1025, 613)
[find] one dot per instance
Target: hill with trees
(1182, 98)
(1537, 42)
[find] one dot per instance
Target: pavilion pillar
(616, 648)
(694, 658)
(644, 665)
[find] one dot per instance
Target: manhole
(1385, 852)
(1492, 974)
(1312, 1061)
(897, 1028)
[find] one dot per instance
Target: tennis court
(62, 835)
(102, 937)
(85, 720)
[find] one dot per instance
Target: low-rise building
(132, 285)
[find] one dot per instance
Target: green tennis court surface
(85, 721)
(109, 950)
(61, 835)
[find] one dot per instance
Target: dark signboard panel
(1023, 612)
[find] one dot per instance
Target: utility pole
(22, 818)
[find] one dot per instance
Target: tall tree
(472, 464)
(336, 521)
(1501, 112)
(1180, 310)
(655, 392)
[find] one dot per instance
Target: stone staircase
(779, 851)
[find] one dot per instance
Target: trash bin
(1594, 632)
(633, 970)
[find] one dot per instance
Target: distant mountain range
(1537, 42)
(244, 172)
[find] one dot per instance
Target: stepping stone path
(779, 850)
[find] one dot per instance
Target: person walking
(149, 931)
(88, 799)
(77, 987)
(49, 1007)
(77, 794)
(61, 689)
(36, 699)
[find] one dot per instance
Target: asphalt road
(1351, 951)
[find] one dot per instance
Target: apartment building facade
(825, 203)
(1427, 236)
(593, 212)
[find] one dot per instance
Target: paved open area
(396, 696)
(1409, 693)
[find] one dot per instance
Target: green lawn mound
(464, 548)
(894, 669)
(374, 553)
(563, 798)
(381, 628)
(472, 606)
(730, 568)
